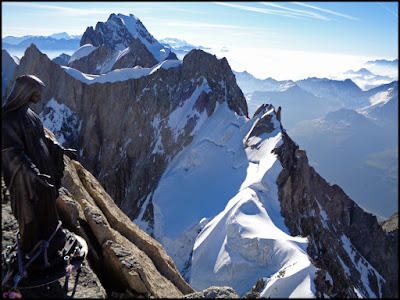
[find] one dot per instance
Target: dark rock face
(92, 63)
(138, 55)
(101, 35)
(62, 60)
(219, 76)
(128, 121)
(345, 241)
(104, 59)
(89, 37)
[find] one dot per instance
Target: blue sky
(289, 30)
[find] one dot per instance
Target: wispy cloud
(65, 10)
(327, 11)
(205, 25)
(298, 12)
(285, 11)
(389, 10)
(185, 10)
(201, 25)
(262, 10)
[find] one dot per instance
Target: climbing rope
(40, 247)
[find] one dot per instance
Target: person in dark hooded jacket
(32, 165)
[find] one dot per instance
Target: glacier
(223, 226)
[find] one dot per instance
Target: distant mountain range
(57, 41)
(350, 135)
(383, 62)
(367, 80)
(180, 47)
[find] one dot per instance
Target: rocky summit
(178, 191)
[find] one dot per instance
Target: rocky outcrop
(126, 259)
(214, 292)
(346, 244)
(392, 224)
(130, 257)
(126, 134)
(103, 59)
(255, 291)
(89, 285)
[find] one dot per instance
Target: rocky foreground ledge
(123, 260)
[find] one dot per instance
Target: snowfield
(83, 51)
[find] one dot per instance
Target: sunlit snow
(243, 237)
(83, 51)
(120, 74)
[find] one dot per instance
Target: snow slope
(223, 226)
(83, 51)
(120, 74)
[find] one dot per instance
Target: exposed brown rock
(121, 223)
(113, 230)
(89, 285)
(127, 260)
(391, 224)
(124, 264)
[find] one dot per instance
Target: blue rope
(43, 245)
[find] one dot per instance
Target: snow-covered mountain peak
(120, 31)
(136, 28)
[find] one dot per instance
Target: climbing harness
(73, 254)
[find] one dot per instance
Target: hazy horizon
(282, 40)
